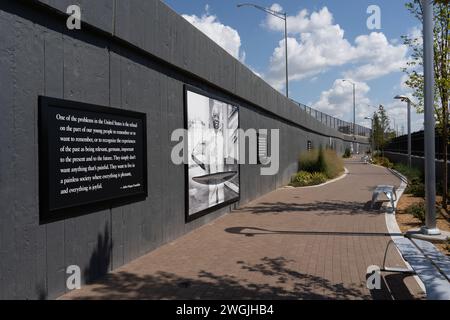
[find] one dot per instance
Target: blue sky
(327, 42)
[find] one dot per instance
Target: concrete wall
(136, 55)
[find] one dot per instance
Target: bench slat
(437, 287)
(438, 258)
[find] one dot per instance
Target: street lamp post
(354, 108)
(282, 16)
(430, 150)
(405, 98)
(354, 103)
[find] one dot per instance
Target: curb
(323, 184)
(391, 221)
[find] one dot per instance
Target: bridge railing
(335, 123)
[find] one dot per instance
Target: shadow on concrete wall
(100, 261)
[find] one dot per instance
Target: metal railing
(335, 123)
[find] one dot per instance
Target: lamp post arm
(281, 15)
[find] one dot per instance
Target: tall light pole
(405, 98)
(373, 135)
(354, 109)
(354, 103)
(430, 227)
(282, 16)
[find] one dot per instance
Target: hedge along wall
(136, 55)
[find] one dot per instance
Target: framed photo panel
(212, 171)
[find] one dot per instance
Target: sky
(328, 40)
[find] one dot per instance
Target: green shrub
(417, 210)
(416, 185)
(303, 179)
(323, 161)
(416, 188)
(412, 173)
(347, 153)
(383, 161)
(318, 178)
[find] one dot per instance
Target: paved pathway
(313, 243)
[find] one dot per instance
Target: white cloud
(338, 101)
(415, 33)
(316, 43)
(379, 57)
(321, 45)
(225, 36)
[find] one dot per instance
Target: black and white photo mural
(213, 147)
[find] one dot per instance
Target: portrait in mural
(213, 146)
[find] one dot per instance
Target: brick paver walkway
(313, 243)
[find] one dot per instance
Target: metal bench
(366, 159)
(429, 264)
(389, 191)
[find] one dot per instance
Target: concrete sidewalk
(309, 243)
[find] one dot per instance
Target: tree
(442, 74)
(381, 133)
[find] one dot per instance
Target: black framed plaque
(90, 158)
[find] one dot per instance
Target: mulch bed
(407, 221)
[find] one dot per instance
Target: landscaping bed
(410, 212)
(316, 167)
(407, 221)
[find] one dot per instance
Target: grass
(411, 173)
(316, 167)
(324, 161)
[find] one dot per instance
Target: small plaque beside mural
(90, 157)
(212, 172)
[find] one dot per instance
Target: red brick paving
(313, 243)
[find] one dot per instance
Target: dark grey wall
(138, 57)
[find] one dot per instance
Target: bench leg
(396, 270)
(390, 196)
(374, 198)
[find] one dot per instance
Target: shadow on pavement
(278, 280)
(320, 207)
(393, 287)
(251, 232)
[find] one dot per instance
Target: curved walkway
(313, 243)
